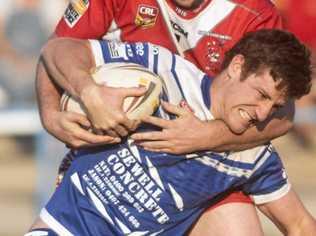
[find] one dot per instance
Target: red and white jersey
(205, 33)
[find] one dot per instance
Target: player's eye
(262, 95)
(278, 106)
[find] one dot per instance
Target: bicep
(68, 63)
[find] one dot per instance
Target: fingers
(156, 146)
(76, 136)
(159, 122)
(135, 124)
(83, 138)
(82, 120)
(117, 131)
(118, 126)
(153, 136)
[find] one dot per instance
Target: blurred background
(29, 157)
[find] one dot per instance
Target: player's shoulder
(256, 5)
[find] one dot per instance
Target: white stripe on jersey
(97, 52)
(246, 157)
(53, 223)
(37, 233)
(224, 168)
(154, 173)
(264, 198)
(264, 158)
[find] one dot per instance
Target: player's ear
(235, 66)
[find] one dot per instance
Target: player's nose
(264, 110)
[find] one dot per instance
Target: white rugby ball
(124, 75)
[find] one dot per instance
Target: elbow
(286, 117)
(47, 51)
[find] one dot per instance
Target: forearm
(71, 70)
(48, 95)
(223, 139)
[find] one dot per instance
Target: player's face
(247, 102)
(188, 4)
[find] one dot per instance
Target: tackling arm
(213, 135)
(65, 126)
(69, 63)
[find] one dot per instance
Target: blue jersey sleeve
(269, 181)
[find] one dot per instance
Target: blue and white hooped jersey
(125, 190)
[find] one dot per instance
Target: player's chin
(237, 127)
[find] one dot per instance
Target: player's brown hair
(281, 52)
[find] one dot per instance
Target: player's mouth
(246, 117)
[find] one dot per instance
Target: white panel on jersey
(53, 223)
(177, 198)
(210, 17)
(76, 181)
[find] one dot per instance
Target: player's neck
(190, 7)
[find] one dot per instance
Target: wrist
(48, 118)
(216, 135)
(87, 92)
(82, 82)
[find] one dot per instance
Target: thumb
(134, 91)
(173, 109)
(83, 120)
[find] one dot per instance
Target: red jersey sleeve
(87, 18)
